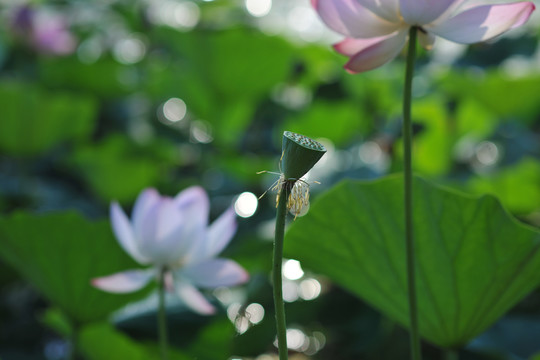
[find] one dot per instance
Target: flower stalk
(277, 279)
(162, 319)
(408, 199)
(299, 155)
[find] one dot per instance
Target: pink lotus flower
(51, 35)
(173, 233)
(46, 32)
(377, 30)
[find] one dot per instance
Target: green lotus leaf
(59, 254)
(474, 261)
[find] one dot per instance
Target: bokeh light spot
(255, 313)
(174, 109)
(201, 132)
(370, 152)
(180, 15)
(241, 324)
(487, 153)
(290, 291)
(292, 270)
(187, 14)
(309, 289)
(129, 50)
(258, 8)
(246, 204)
(295, 339)
(233, 310)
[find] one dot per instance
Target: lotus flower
(377, 30)
(47, 32)
(52, 36)
(173, 234)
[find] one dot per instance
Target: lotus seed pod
(300, 153)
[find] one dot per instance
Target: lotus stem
(162, 321)
(408, 200)
(299, 155)
(281, 326)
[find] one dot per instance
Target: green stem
(162, 321)
(451, 354)
(276, 273)
(408, 189)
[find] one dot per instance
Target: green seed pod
(300, 153)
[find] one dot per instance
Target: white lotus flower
(173, 234)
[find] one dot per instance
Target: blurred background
(101, 99)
